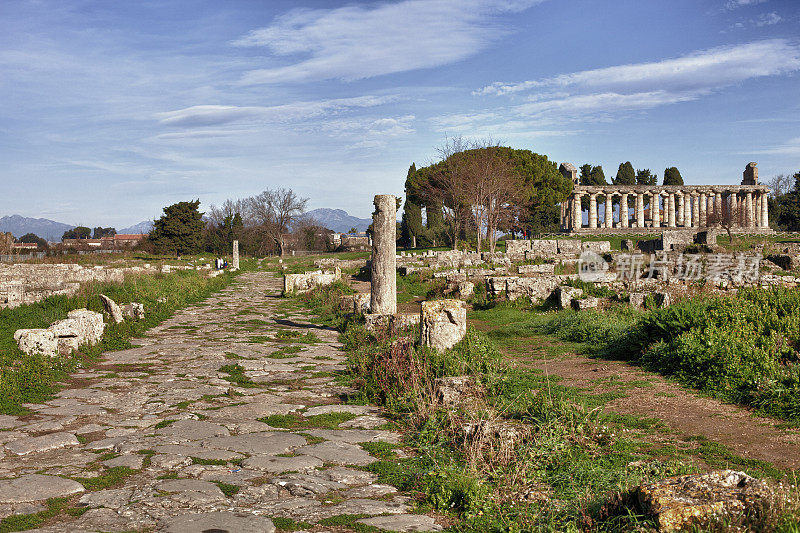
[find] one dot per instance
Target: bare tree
(273, 211)
(446, 185)
(216, 215)
(780, 185)
(493, 188)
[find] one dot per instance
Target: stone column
(639, 210)
(577, 219)
(671, 210)
(748, 209)
(384, 263)
(593, 210)
(623, 210)
(703, 219)
(235, 262)
(679, 209)
(609, 221)
(718, 207)
(655, 208)
(764, 210)
(687, 206)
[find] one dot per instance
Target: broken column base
(443, 323)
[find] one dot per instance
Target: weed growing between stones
(517, 451)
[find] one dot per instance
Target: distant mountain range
(142, 227)
(334, 219)
(338, 220)
(46, 229)
(51, 230)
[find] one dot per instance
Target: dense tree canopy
(179, 230)
(672, 176)
(33, 238)
(592, 176)
(644, 177)
(786, 207)
(100, 232)
(81, 232)
(484, 186)
(625, 174)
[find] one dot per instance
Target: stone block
(627, 245)
(545, 268)
(637, 299)
(465, 289)
(361, 303)
(308, 281)
(404, 320)
(374, 322)
(565, 294)
(135, 310)
(443, 323)
(515, 249)
(598, 247)
(694, 501)
(569, 246)
(37, 341)
(112, 308)
(455, 391)
(544, 247)
(589, 302)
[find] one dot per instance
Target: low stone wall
(308, 281)
(26, 283)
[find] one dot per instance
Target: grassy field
(30, 379)
(573, 466)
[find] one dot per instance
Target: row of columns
(690, 209)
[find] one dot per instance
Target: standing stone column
(695, 210)
(235, 255)
(703, 219)
(680, 209)
(577, 219)
(639, 210)
(655, 209)
(687, 206)
(592, 210)
(748, 213)
(384, 263)
(671, 210)
(764, 211)
(609, 222)
(718, 207)
(623, 211)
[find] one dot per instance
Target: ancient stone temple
(621, 208)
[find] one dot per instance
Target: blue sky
(111, 110)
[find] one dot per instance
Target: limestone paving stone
(42, 443)
(217, 522)
(214, 436)
(402, 522)
(37, 487)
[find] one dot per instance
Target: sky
(111, 110)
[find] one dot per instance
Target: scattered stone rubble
(694, 501)
(62, 337)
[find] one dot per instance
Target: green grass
(108, 479)
(163, 424)
(228, 489)
(237, 376)
(31, 379)
(287, 524)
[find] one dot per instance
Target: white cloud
(606, 93)
(356, 41)
(735, 4)
(215, 115)
(699, 70)
(791, 147)
(768, 19)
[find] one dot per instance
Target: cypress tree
(672, 176)
(625, 174)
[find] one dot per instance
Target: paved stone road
(164, 410)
